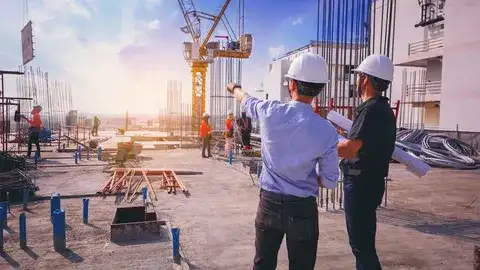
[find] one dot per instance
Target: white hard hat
(229, 112)
(205, 115)
(377, 65)
(308, 67)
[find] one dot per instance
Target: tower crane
(200, 53)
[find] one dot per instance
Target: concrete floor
(424, 226)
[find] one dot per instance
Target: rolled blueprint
(413, 164)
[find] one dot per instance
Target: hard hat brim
(298, 79)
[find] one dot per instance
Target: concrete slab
(88, 244)
(424, 226)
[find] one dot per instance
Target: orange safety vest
(204, 129)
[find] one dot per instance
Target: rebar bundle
(55, 97)
(439, 150)
(16, 180)
(10, 162)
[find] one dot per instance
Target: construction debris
(132, 180)
(9, 162)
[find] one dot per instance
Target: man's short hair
(380, 85)
(309, 89)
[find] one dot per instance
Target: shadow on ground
(463, 229)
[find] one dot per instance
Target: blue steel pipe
(54, 204)
(59, 235)
(176, 242)
(3, 215)
(85, 210)
(22, 223)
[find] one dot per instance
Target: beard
(359, 90)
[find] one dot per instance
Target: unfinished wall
(461, 82)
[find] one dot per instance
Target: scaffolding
(347, 32)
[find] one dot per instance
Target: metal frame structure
(348, 31)
(5, 102)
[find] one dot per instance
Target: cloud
(298, 20)
(113, 57)
(276, 51)
(152, 25)
(151, 4)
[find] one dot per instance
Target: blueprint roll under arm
(413, 164)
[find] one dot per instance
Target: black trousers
(206, 145)
(296, 217)
(246, 138)
(33, 138)
(362, 197)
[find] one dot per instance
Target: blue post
(59, 239)
(54, 204)
(35, 157)
(85, 210)
(22, 223)
(26, 194)
(2, 212)
(176, 242)
(4, 205)
(230, 157)
(99, 153)
(79, 153)
(259, 169)
(144, 194)
(76, 157)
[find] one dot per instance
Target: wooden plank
(137, 189)
(154, 171)
(149, 185)
(181, 185)
(119, 183)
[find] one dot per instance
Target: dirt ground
(425, 225)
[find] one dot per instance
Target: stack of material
(16, 180)
(9, 162)
(132, 180)
(439, 150)
(14, 177)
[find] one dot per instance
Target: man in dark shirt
(366, 156)
(245, 124)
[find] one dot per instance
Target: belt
(351, 172)
(286, 198)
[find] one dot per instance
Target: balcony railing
(425, 45)
(429, 88)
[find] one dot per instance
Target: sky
(119, 54)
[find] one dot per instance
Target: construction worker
(299, 153)
(34, 130)
(245, 124)
(96, 124)
(366, 156)
(205, 135)
(228, 133)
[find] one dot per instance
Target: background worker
(205, 135)
(367, 153)
(96, 124)
(229, 133)
(245, 124)
(299, 154)
(34, 130)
